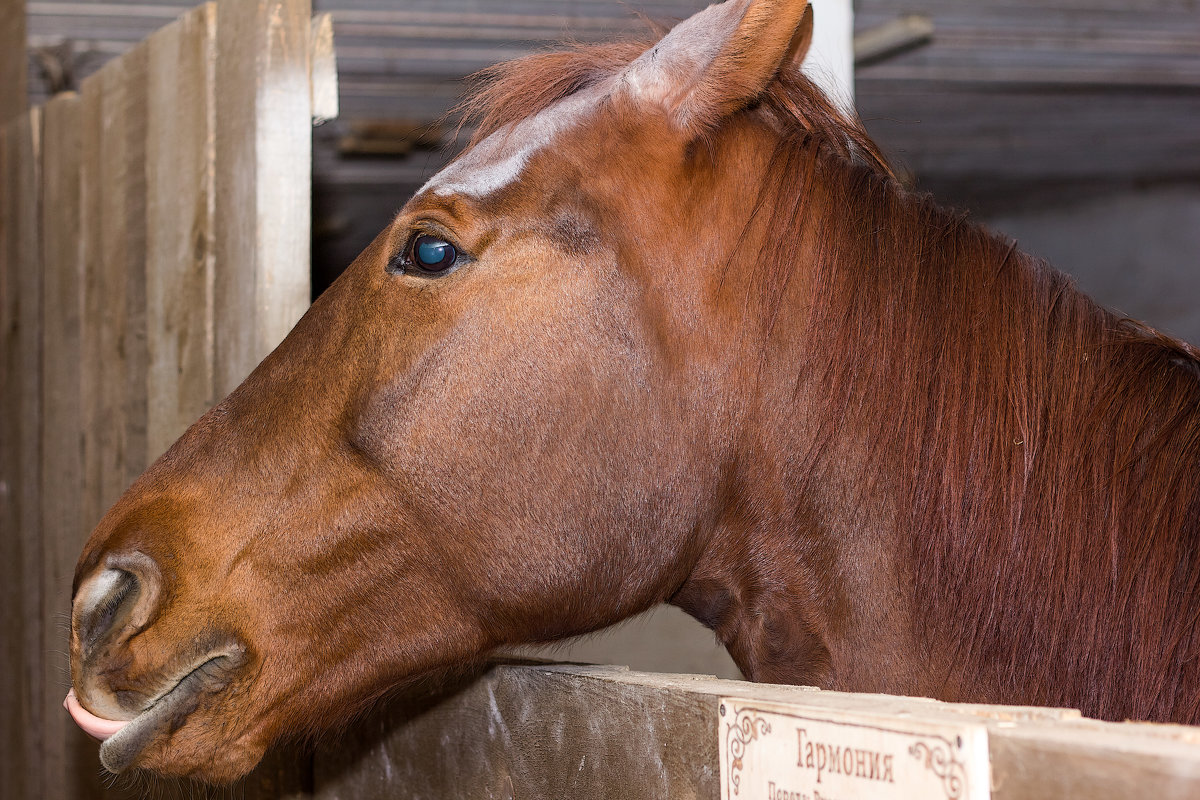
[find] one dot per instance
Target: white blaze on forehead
(500, 159)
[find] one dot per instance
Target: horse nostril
(108, 599)
(121, 595)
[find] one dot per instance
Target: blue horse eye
(433, 254)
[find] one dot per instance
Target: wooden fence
(154, 246)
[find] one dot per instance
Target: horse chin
(200, 761)
(169, 712)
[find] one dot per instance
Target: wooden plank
(124, 242)
(14, 96)
(12, 626)
(68, 756)
(554, 731)
(179, 276)
(1088, 759)
(534, 734)
(113, 232)
(263, 180)
(95, 424)
(25, 144)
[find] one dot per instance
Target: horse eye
(432, 254)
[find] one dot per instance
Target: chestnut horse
(669, 331)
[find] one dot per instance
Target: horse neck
(920, 506)
(800, 576)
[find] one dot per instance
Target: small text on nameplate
(773, 751)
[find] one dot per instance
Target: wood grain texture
(12, 627)
(124, 242)
(263, 180)
(20, 546)
(180, 237)
(531, 733)
(1088, 760)
(94, 425)
(26, 146)
(553, 731)
(68, 756)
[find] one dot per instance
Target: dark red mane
(1043, 453)
(1028, 436)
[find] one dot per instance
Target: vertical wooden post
(68, 763)
(121, 329)
(10, 468)
(179, 227)
(27, 261)
(323, 78)
(113, 231)
(95, 427)
(21, 664)
(263, 180)
(18, 733)
(126, 121)
(14, 82)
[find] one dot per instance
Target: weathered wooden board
(530, 733)
(263, 180)
(68, 757)
(1087, 759)
(27, 261)
(11, 628)
(112, 233)
(94, 428)
(20, 546)
(180, 257)
(556, 731)
(126, 115)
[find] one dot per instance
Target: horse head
(511, 420)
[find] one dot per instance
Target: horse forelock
(525, 90)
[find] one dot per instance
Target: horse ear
(802, 39)
(721, 59)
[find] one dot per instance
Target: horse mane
(1042, 453)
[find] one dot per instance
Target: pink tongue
(92, 725)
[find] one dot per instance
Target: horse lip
(212, 673)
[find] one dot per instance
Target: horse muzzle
(128, 692)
